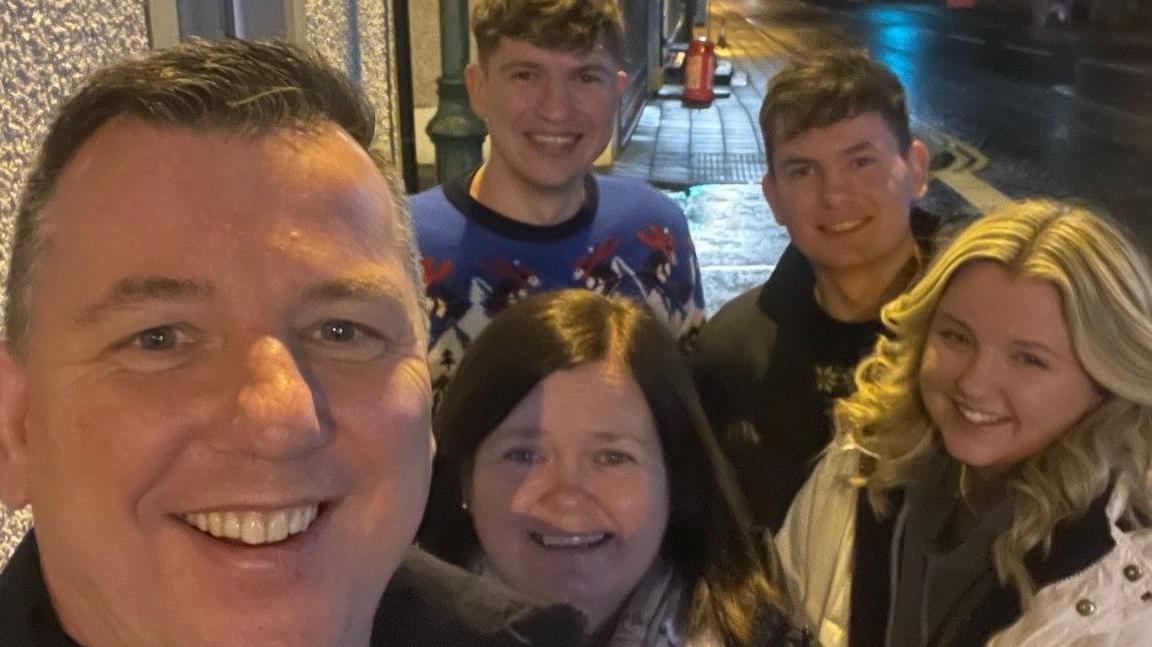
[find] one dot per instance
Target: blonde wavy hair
(1106, 287)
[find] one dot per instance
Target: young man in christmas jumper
(533, 217)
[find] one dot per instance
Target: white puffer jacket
(1108, 604)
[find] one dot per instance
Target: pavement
(710, 160)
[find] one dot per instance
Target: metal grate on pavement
(721, 168)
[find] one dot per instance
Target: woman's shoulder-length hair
(707, 540)
(1105, 284)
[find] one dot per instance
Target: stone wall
(424, 22)
(46, 47)
(357, 37)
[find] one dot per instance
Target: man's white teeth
(570, 541)
(847, 225)
(253, 527)
(977, 417)
(554, 140)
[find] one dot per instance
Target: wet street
(1051, 112)
(1007, 111)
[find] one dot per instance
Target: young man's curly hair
(579, 26)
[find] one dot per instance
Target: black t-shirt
(771, 417)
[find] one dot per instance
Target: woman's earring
(464, 505)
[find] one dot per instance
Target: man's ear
(474, 80)
(918, 160)
(768, 187)
(13, 436)
(621, 82)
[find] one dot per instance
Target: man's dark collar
(424, 596)
(456, 191)
(26, 613)
(792, 281)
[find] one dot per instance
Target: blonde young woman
(989, 483)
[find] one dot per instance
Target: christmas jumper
(627, 238)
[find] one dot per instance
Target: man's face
(549, 112)
(222, 420)
(845, 191)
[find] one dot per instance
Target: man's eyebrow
(133, 291)
(858, 148)
(793, 160)
(355, 289)
(519, 64)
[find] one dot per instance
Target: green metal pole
(456, 131)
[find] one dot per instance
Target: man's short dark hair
(251, 88)
(824, 88)
(569, 25)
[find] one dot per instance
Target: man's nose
(276, 408)
(555, 102)
(836, 188)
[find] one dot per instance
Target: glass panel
(637, 25)
(206, 18)
(260, 18)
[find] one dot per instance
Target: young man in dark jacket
(843, 172)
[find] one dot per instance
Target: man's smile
(254, 527)
(554, 142)
(844, 226)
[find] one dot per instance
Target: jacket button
(1085, 607)
(1133, 572)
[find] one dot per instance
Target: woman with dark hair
(575, 464)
